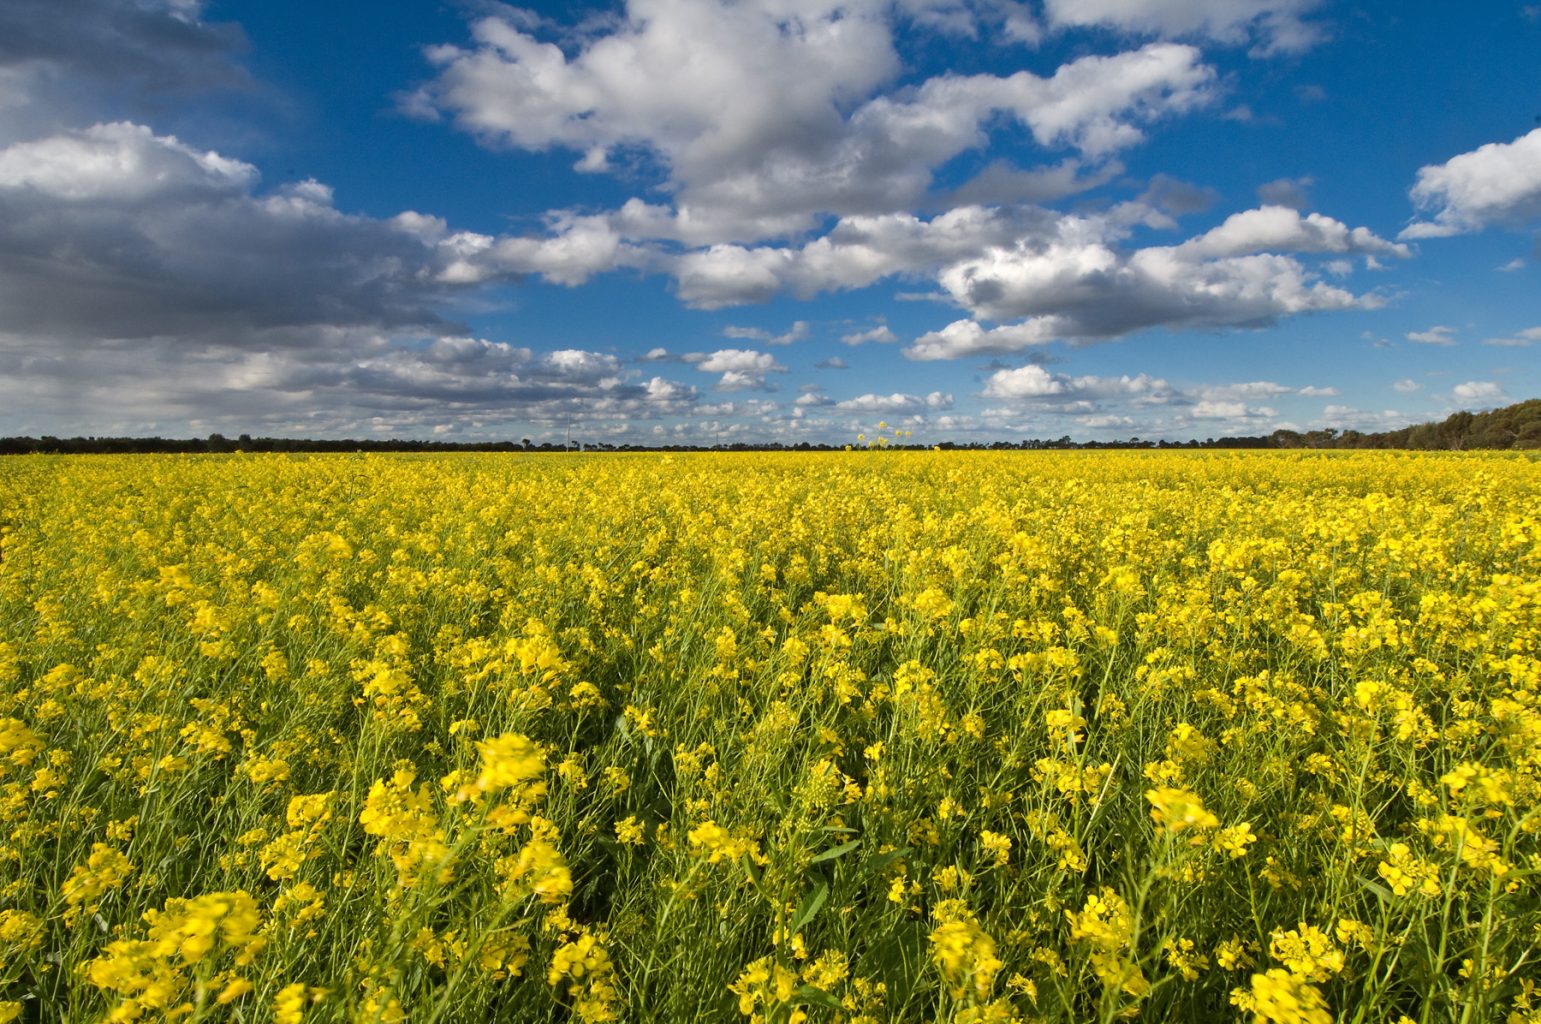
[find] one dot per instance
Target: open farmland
(867, 737)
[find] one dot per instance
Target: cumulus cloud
(1218, 409)
(63, 63)
(1002, 183)
(1289, 192)
(1407, 386)
(1496, 184)
(1073, 282)
(880, 334)
(1248, 389)
(1034, 382)
(790, 113)
(1104, 402)
(897, 403)
(740, 360)
(741, 369)
(1347, 417)
(119, 163)
(115, 232)
(1282, 229)
(1477, 391)
(1272, 25)
(1437, 335)
(967, 337)
(358, 382)
(797, 332)
(1177, 197)
(1519, 339)
(1094, 104)
(856, 252)
(573, 250)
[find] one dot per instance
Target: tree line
(1515, 426)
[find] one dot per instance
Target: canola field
(859, 737)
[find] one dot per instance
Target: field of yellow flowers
(858, 737)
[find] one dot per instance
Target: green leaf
(1378, 889)
(836, 851)
(882, 860)
(809, 908)
(806, 994)
(753, 871)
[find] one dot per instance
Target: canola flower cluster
(852, 738)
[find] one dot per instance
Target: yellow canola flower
(290, 1002)
(965, 955)
(1403, 872)
(407, 824)
(1279, 997)
(537, 870)
(1306, 951)
(1178, 810)
(719, 844)
(584, 965)
(151, 975)
(20, 933)
(105, 870)
(510, 761)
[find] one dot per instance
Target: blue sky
(766, 220)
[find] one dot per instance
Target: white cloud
(1518, 263)
(1218, 409)
(832, 363)
(1346, 417)
(738, 380)
(1519, 339)
(1438, 335)
(740, 369)
(967, 337)
(1248, 389)
(797, 332)
(115, 232)
(1005, 264)
(1312, 391)
(573, 250)
(1029, 381)
(1407, 386)
(1275, 25)
(1106, 421)
(1152, 405)
(1094, 104)
(1477, 391)
(730, 275)
(881, 334)
(785, 115)
(359, 383)
(729, 360)
(856, 252)
(897, 403)
(1281, 229)
(1034, 382)
(119, 163)
(1495, 184)
(1073, 283)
